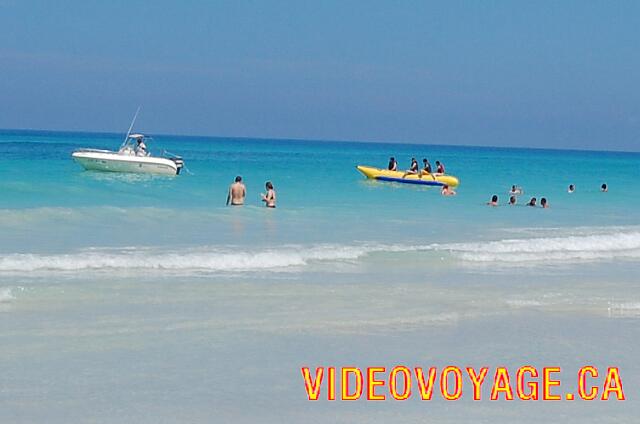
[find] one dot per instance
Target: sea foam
(6, 295)
(205, 259)
(566, 249)
(569, 248)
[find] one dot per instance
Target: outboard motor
(179, 163)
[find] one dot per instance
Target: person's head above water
(494, 198)
(512, 200)
(604, 187)
(543, 202)
(572, 187)
(238, 178)
(533, 201)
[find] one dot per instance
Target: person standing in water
(393, 165)
(532, 202)
(269, 198)
(543, 203)
(493, 201)
(237, 193)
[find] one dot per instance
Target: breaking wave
(570, 248)
(205, 259)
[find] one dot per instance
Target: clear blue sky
(543, 73)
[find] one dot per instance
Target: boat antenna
(131, 127)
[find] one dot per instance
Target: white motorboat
(131, 157)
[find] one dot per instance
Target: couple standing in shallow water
(238, 191)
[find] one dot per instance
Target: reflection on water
(122, 177)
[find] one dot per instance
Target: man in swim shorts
(237, 193)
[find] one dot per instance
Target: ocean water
(132, 298)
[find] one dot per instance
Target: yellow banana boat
(400, 177)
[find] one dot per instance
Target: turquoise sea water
(322, 198)
(131, 298)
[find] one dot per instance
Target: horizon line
(324, 141)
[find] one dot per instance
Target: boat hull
(399, 177)
(113, 162)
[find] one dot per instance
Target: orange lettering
(312, 387)
(612, 383)
(346, 371)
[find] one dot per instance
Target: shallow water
(137, 298)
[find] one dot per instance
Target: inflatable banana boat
(400, 177)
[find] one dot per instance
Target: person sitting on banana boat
(413, 169)
(393, 164)
(426, 170)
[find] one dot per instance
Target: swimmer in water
(237, 193)
(571, 188)
(532, 202)
(413, 169)
(393, 165)
(494, 201)
(269, 198)
(543, 203)
(515, 191)
(446, 191)
(513, 200)
(604, 188)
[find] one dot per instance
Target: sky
(560, 74)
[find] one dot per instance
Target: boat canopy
(136, 136)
